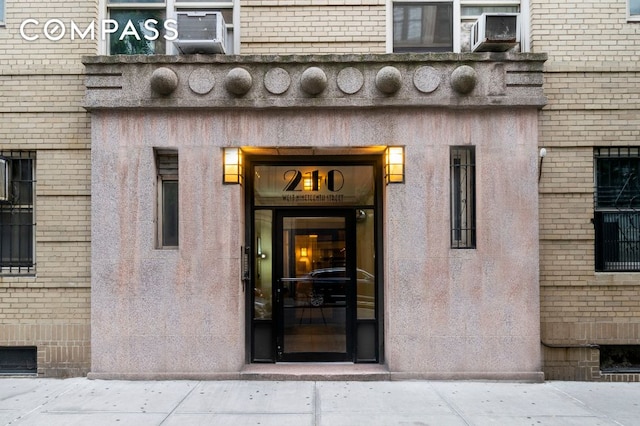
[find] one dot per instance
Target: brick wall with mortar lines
(583, 33)
(21, 57)
(591, 81)
(305, 26)
(42, 88)
(56, 321)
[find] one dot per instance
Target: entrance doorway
(315, 231)
(315, 297)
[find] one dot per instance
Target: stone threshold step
(316, 372)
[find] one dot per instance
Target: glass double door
(315, 295)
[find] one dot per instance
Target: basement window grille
(18, 360)
(620, 359)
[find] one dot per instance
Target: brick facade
(42, 87)
(592, 81)
(305, 26)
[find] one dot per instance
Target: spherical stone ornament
(350, 80)
(277, 81)
(201, 81)
(238, 81)
(313, 81)
(164, 81)
(389, 80)
(426, 79)
(463, 79)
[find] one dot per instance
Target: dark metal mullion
(472, 207)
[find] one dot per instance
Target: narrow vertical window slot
(168, 198)
(463, 211)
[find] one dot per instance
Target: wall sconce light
(394, 164)
(543, 153)
(303, 252)
(232, 167)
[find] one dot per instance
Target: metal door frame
(262, 333)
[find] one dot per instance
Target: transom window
(617, 209)
(145, 27)
(444, 26)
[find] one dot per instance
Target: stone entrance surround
(447, 313)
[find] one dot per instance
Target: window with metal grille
(619, 359)
(18, 360)
(17, 220)
(463, 197)
(617, 209)
(167, 167)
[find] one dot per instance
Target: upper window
(423, 27)
(444, 26)
(1, 12)
(147, 27)
(634, 10)
(17, 186)
(137, 26)
(617, 213)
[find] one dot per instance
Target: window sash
(130, 45)
(617, 239)
(168, 198)
(169, 202)
(473, 12)
(423, 27)
(132, 3)
(16, 238)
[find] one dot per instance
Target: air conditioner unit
(201, 32)
(495, 32)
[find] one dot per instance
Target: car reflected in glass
(328, 285)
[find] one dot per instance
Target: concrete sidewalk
(79, 401)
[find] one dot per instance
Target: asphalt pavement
(80, 401)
